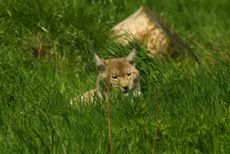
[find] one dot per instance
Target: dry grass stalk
(107, 96)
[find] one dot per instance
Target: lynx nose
(125, 89)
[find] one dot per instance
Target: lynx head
(120, 72)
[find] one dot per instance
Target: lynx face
(120, 72)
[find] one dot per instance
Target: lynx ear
(131, 57)
(99, 62)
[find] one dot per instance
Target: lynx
(118, 73)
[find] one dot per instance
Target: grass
(183, 108)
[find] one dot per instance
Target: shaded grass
(36, 116)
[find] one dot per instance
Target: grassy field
(46, 58)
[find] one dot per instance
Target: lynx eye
(129, 74)
(114, 77)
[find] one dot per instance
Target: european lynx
(120, 73)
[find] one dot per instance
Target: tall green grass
(183, 108)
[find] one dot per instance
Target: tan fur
(119, 73)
